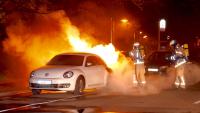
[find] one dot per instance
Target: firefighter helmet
(136, 44)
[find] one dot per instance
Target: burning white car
(72, 72)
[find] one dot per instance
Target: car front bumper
(51, 84)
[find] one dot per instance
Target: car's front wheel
(80, 86)
(36, 91)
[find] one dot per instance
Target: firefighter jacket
(137, 56)
(179, 56)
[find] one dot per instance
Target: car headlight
(68, 74)
(32, 74)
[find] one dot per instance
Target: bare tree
(138, 3)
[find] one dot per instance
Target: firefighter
(137, 56)
(179, 59)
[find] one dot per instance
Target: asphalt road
(167, 101)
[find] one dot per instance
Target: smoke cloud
(33, 39)
(192, 75)
(121, 80)
(31, 44)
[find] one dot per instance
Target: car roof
(79, 53)
(157, 58)
(161, 52)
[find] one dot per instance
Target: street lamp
(124, 21)
(162, 27)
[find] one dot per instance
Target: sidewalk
(9, 88)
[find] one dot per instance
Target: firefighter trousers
(180, 79)
(139, 77)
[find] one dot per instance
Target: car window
(163, 55)
(100, 61)
(158, 56)
(73, 60)
(152, 56)
(93, 60)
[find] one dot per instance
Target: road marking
(22, 92)
(41, 103)
(197, 102)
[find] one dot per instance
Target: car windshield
(73, 60)
(162, 55)
(159, 56)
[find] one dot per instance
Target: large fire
(31, 44)
(48, 36)
(106, 52)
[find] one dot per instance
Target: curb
(11, 93)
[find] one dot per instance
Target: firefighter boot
(143, 84)
(177, 82)
(135, 82)
(182, 80)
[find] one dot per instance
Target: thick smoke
(192, 72)
(35, 38)
(121, 80)
(96, 18)
(31, 44)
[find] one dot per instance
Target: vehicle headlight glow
(32, 74)
(68, 74)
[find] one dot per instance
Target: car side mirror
(109, 69)
(166, 57)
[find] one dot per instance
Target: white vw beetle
(70, 72)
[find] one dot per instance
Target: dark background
(182, 16)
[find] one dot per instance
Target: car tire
(36, 91)
(80, 86)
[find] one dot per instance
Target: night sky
(182, 17)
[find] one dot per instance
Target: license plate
(153, 69)
(44, 81)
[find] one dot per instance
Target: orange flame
(106, 52)
(50, 35)
(35, 43)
